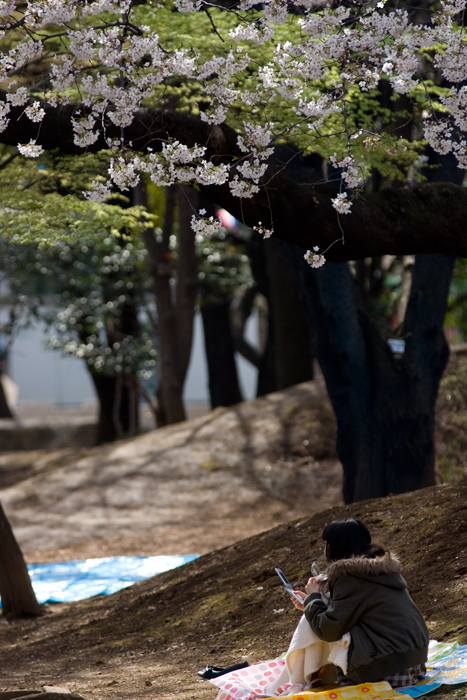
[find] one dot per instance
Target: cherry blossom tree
(84, 74)
(204, 93)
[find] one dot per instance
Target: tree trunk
(266, 367)
(187, 278)
(293, 356)
(118, 407)
(287, 358)
(116, 394)
(240, 311)
(224, 388)
(384, 406)
(175, 316)
(16, 592)
(5, 411)
(169, 392)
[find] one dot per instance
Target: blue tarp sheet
(63, 582)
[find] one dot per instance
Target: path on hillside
(187, 488)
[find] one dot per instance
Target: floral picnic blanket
(447, 664)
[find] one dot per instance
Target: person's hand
(298, 605)
(312, 586)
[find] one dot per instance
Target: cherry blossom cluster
(341, 203)
(314, 258)
(112, 66)
(205, 226)
(263, 230)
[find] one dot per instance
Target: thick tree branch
(429, 218)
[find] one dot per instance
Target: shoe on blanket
(215, 671)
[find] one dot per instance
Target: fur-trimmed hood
(384, 570)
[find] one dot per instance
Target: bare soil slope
(202, 484)
(149, 640)
(185, 489)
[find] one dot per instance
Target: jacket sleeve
(330, 622)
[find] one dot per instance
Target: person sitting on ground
(367, 597)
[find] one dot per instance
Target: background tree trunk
(116, 394)
(287, 356)
(175, 315)
(266, 367)
(118, 407)
(293, 356)
(187, 278)
(16, 592)
(384, 406)
(224, 388)
(5, 410)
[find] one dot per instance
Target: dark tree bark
(169, 393)
(384, 406)
(118, 407)
(224, 388)
(428, 218)
(16, 592)
(175, 314)
(117, 394)
(187, 277)
(267, 360)
(240, 311)
(293, 356)
(287, 358)
(5, 410)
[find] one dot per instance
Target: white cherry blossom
(31, 149)
(341, 204)
(314, 258)
(112, 66)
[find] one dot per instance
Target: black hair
(350, 538)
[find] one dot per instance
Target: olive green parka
(369, 599)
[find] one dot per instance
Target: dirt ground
(149, 640)
(185, 489)
(202, 487)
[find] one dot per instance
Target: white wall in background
(44, 376)
(196, 387)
